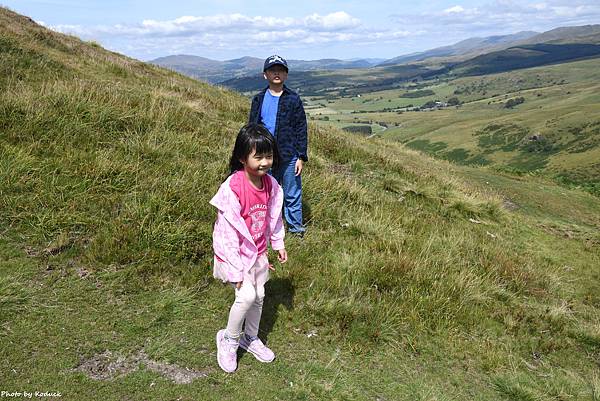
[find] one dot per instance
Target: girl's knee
(246, 295)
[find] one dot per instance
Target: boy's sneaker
(226, 352)
(257, 348)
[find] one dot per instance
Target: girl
(249, 206)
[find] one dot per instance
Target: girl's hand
(282, 257)
(238, 285)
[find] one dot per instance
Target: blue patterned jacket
(290, 128)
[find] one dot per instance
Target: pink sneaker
(226, 352)
(257, 348)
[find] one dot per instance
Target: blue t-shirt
(268, 112)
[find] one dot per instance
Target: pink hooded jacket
(232, 242)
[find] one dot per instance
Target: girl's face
(258, 164)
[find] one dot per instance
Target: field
(418, 279)
(555, 130)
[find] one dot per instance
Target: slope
(471, 46)
(412, 283)
(525, 56)
(572, 34)
(553, 131)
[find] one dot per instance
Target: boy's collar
(285, 89)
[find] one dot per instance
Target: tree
(453, 101)
(510, 103)
(430, 104)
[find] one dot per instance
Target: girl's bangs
(262, 145)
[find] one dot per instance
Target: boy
(280, 110)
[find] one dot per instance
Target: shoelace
(232, 349)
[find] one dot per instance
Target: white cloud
(453, 10)
(334, 21)
(225, 23)
(506, 16)
(201, 34)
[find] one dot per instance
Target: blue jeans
(292, 195)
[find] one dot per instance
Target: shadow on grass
(278, 291)
(306, 212)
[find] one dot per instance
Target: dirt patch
(509, 204)
(590, 239)
(109, 365)
(106, 366)
(341, 169)
(31, 252)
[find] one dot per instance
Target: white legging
(249, 301)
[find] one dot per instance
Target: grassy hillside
(417, 280)
(554, 130)
(571, 34)
(467, 48)
(525, 56)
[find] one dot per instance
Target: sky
(301, 29)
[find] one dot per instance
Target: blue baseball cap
(274, 60)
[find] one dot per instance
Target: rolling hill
(525, 56)
(574, 34)
(417, 279)
(541, 120)
(471, 46)
(218, 71)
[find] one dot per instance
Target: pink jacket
(232, 242)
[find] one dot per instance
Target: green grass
(559, 109)
(414, 281)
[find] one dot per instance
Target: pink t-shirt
(254, 206)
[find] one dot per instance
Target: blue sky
(303, 29)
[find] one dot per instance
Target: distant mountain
(525, 56)
(467, 46)
(474, 47)
(214, 71)
(356, 80)
(373, 61)
(363, 80)
(187, 61)
(572, 34)
(249, 63)
(327, 64)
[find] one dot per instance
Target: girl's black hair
(253, 137)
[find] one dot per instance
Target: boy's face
(276, 75)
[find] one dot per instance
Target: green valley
(544, 119)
